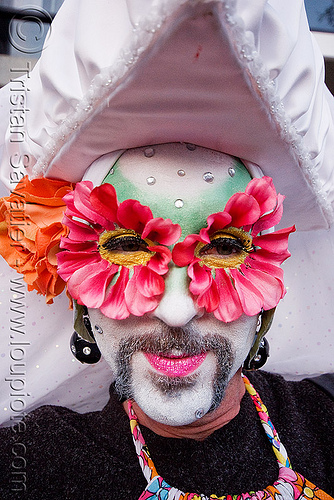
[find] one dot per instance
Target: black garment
(91, 456)
(325, 382)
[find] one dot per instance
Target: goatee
(166, 340)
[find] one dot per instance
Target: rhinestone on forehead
(208, 177)
(149, 152)
(151, 180)
(181, 173)
(231, 171)
(179, 203)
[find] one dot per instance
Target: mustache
(164, 339)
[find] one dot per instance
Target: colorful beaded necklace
(289, 485)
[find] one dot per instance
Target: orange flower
(30, 232)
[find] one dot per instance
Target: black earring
(82, 349)
(260, 357)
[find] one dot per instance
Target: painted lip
(175, 366)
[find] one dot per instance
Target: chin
(178, 400)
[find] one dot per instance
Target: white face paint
(176, 361)
(174, 400)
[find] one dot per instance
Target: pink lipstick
(175, 366)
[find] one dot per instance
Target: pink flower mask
(233, 268)
(115, 254)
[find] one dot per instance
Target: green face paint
(184, 185)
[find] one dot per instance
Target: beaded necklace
(289, 486)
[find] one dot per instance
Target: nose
(176, 307)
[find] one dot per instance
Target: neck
(206, 425)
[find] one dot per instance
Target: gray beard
(164, 340)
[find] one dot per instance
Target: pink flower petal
(89, 283)
(243, 209)
(80, 231)
(271, 289)
(270, 257)
(183, 253)
(133, 215)
(209, 299)
(93, 288)
(263, 190)
(215, 222)
(79, 206)
(250, 296)
(114, 305)
(82, 201)
(229, 308)
(137, 303)
(270, 220)
(162, 230)
(69, 262)
(266, 267)
(160, 260)
(201, 278)
(78, 246)
(276, 242)
(148, 282)
(71, 209)
(104, 200)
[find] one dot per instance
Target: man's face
(176, 361)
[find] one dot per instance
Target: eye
(222, 246)
(124, 247)
(125, 244)
(227, 249)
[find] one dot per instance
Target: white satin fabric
(242, 77)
